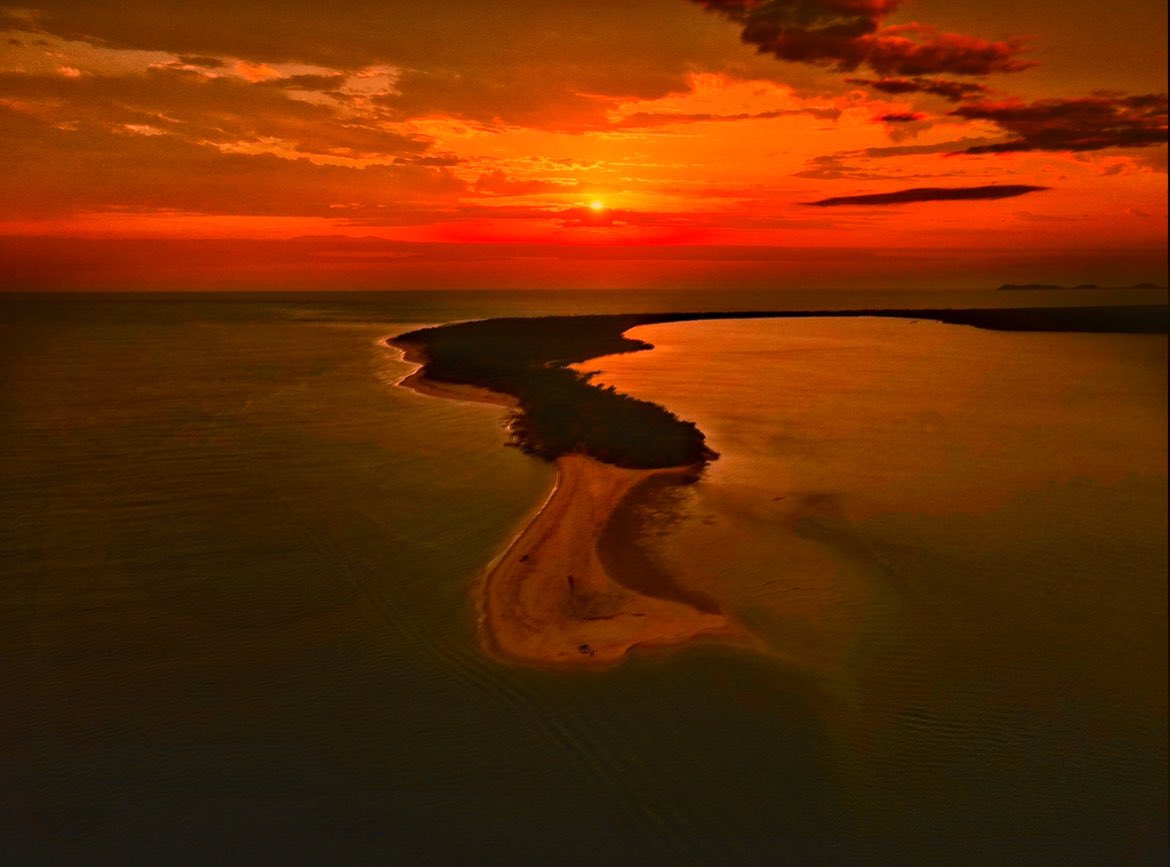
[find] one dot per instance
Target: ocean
(237, 562)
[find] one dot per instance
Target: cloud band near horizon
(931, 194)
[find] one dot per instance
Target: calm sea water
(236, 623)
(960, 535)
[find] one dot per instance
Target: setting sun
(584, 432)
(737, 141)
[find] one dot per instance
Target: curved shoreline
(548, 599)
(418, 382)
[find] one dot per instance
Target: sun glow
(597, 205)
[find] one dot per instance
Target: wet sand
(549, 599)
(418, 383)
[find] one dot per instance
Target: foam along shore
(418, 382)
(549, 600)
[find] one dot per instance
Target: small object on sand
(585, 648)
(523, 557)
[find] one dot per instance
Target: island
(550, 598)
(1039, 287)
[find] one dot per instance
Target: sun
(597, 205)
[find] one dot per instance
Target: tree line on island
(562, 411)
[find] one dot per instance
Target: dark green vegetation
(560, 411)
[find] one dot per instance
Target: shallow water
(961, 535)
(237, 627)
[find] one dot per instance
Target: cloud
(497, 183)
(945, 147)
(1084, 124)
(856, 164)
(902, 117)
(931, 194)
(113, 169)
(532, 63)
(323, 82)
(227, 112)
(844, 35)
(651, 119)
(834, 167)
(435, 160)
(952, 91)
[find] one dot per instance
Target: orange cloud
(477, 126)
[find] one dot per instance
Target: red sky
(465, 143)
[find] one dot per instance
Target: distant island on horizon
(1031, 287)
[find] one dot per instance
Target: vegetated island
(549, 598)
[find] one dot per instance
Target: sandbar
(549, 600)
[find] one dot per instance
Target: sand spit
(548, 600)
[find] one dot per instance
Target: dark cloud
(1085, 124)
(846, 34)
(931, 194)
(903, 117)
(857, 164)
(953, 91)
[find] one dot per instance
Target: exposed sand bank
(549, 599)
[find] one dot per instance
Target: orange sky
(737, 143)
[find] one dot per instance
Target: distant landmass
(1028, 287)
(550, 599)
(559, 411)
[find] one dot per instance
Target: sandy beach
(418, 383)
(548, 599)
